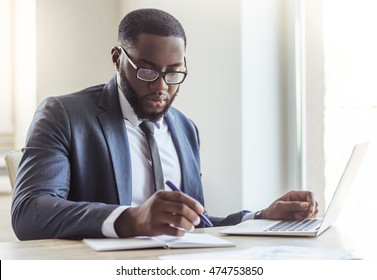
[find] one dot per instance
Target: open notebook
(307, 227)
(189, 240)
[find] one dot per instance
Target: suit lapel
(191, 183)
(114, 130)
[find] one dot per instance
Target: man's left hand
(294, 205)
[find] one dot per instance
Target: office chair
(12, 161)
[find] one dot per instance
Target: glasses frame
(160, 73)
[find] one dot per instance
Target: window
(17, 71)
(341, 95)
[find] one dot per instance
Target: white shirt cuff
(108, 229)
(248, 216)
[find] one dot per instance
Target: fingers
(298, 196)
(306, 196)
(171, 224)
(181, 211)
(305, 214)
(170, 213)
(313, 205)
(179, 200)
(314, 213)
(295, 205)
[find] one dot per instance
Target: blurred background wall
(239, 91)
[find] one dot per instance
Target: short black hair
(149, 21)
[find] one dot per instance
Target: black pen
(202, 217)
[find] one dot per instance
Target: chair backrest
(12, 161)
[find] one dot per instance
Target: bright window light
(350, 46)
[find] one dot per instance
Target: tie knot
(147, 127)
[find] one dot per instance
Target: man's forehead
(150, 41)
(160, 49)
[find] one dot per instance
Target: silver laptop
(307, 227)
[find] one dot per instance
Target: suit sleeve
(230, 220)
(40, 208)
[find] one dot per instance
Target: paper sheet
(269, 253)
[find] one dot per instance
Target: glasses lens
(174, 77)
(148, 75)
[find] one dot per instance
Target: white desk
(72, 249)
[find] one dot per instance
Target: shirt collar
(127, 110)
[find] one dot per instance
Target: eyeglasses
(150, 75)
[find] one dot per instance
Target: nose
(159, 85)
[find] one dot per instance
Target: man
(86, 169)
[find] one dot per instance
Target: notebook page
(193, 240)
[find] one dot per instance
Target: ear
(115, 56)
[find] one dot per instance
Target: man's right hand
(165, 212)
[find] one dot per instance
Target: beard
(136, 102)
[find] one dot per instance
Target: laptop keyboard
(303, 225)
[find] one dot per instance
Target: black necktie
(158, 176)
